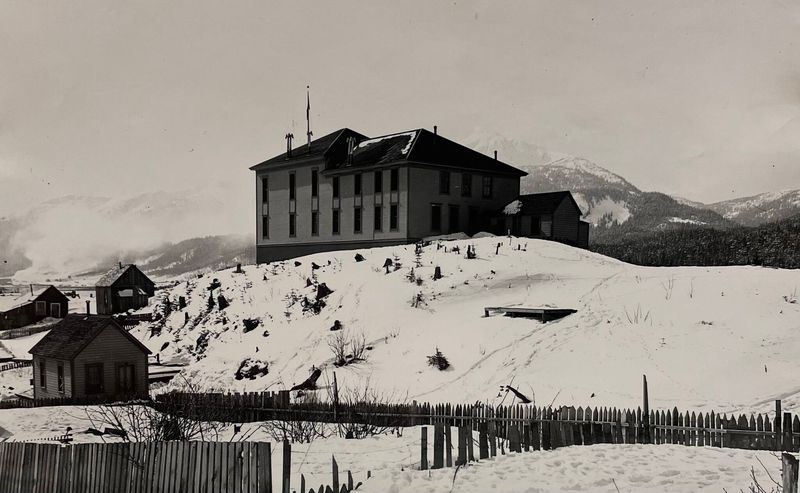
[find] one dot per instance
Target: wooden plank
(448, 446)
(492, 438)
(438, 446)
(483, 442)
(247, 485)
(462, 447)
(263, 467)
(286, 474)
(789, 475)
(334, 474)
(423, 459)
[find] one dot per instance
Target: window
(126, 381)
(536, 225)
(265, 227)
(436, 217)
(444, 182)
(41, 308)
(357, 220)
(94, 378)
(61, 378)
(292, 186)
(42, 375)
(466, 185)
(472, 220)
(335, 221)
(379, 181)
(314, 183)
(394, 179)
(357, 185)
(55, 310)
(292, 225)
(393, 217)
(336, 187)
(454, 224)
(264, 190)
(315, 223)
(378, 218)
(487, 187)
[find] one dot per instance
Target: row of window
(336, 221)
(487, 184)
(453, 218)
(126, 381)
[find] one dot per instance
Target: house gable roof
(112, 276)
(540, 203)
(70, 336)
(325, 147)
(9, 302)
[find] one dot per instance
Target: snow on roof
(112, 275)
(11, 301)
(513, 207)
(404, 150)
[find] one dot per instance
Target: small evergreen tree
(438, 360)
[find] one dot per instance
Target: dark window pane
(378, 218)
(264, 190)
(436, 217)
(42, 376)
(314, 183)
(378, 181)
(466, 184)
(487, 187)
(315, 223)
(335, 222)
(265, 227)
(336, 187)
(357, 220)
(394, 180)
(393, 217)
(536, 225)
(292, 186)
(94, 378)
(292, 225)
(60, 378)
(357, 184)
(454, 223)
(444, 182)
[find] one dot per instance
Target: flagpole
(308, 114)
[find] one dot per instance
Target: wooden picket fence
(23, 402)
(155, 467)
(24, 331)
(15, 364)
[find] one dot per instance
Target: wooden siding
(565, 222)
(26, 314)
(425, 191)
(51, 378)
(111, 347)
(108, 299)
(279, 208)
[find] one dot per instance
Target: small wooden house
(123, 288)
(32, 306)
(552, 215)
(86, 356)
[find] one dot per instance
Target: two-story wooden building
(346, 191)
(89, 356)
(123, 288)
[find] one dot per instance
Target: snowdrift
(710, 338)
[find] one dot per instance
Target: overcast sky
(698, 99)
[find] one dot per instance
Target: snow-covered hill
(721, 338)
(760, 209)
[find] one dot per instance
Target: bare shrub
(301, 428)
(338, 345)
(370, 402)
(347, 348)
(637, 316)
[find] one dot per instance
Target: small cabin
(89, 356)
(123, 288)
(31, 306)
(552, 215)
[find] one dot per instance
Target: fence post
(287, 467)
(790, 473)
(335, 473)
(462, 446)
(778, 433)
(335, 400)
(423, 461)
(483, 441)
(646, 411)
(448, 445)
(438, 446)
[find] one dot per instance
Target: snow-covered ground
(707, 338)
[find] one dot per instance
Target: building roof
(538, 203)
(318, 148)
(11, 301)
(109, 278)
(418, 146)
(70, 336)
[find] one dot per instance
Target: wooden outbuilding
(123, 288)
(31, 306)
(551, 215)
(86, 356)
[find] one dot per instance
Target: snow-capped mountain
(611, 203)
(760, 209)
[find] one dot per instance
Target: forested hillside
(772, 245)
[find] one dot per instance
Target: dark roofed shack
(123, 288)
